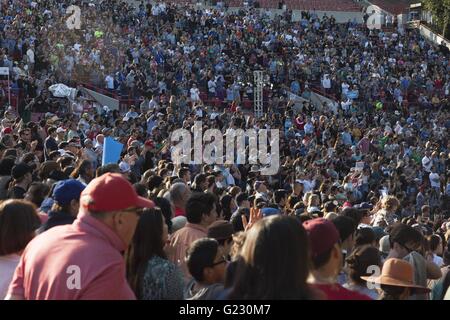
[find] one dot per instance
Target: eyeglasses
(223, 260)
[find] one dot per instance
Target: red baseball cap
(150, 143)
(112, 192)
(7, 130)
(347, 204)
(322, 234)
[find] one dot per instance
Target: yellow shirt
(435, 100)
(356, 133)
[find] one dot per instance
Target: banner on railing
(4, 71)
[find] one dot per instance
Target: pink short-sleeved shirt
(83, 260)
(182, 239)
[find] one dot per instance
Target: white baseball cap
(124, 167)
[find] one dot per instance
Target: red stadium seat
(247, 104)
(217, 102)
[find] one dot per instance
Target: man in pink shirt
(84, 260)
(200, 213)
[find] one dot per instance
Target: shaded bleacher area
(394, 7)
(319, 5)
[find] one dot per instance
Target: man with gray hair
(179, 194)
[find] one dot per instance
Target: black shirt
(50, 145)
(16, 193)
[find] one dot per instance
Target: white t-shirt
(345, 87)
(199, 112)
(195, 94)
(131, 114)
(214, 115)
(77, 108)
(8, 265)
(326, 82)
(345, 105)
(434, 180)
(398, 129)
(85, 123)
(109, 82)
(427, 163)
(212, 86)
(30, 55)
(188, 49)
(308, 185)
(156, 10)
(309, 128)
(77, 46)
(153, 104)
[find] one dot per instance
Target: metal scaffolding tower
(258, 99)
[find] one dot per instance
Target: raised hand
(34, 144)
(255, 216)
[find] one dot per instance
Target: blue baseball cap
(269, 211)
(364, 205)
(67, 190)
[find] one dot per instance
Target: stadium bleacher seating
(319, 5)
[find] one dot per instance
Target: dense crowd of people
(357, 210)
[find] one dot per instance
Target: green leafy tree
(440, 9)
